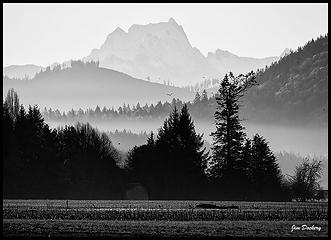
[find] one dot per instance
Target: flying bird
(169, 94)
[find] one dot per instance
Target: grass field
(161, 218)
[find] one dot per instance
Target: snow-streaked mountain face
(162, 52)
(159, 51)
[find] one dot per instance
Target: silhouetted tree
(305, 182)
(71, 162)
(90, 161)
(8, 155)
(171, 166)
(204, 97)
(150, 140)
(229, 136)
(264, 171)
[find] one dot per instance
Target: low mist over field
(299, 141)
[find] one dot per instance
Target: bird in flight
(169, 94)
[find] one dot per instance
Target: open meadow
(163, 218)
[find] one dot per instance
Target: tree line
(74, 162)
(78, 162)
(200, 107)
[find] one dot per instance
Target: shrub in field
(305, 182)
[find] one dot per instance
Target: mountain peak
(118, 30)
(224, 53)
(172, 20)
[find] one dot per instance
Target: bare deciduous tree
(305, 182)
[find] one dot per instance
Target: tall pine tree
(225, 164)
(172, 165)
(265, 173)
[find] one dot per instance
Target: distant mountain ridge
(226, 61)
(160, 52)
(22, 71)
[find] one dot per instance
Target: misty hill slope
(85, 85)
(162, 52)
(22, 71)
(295, 88)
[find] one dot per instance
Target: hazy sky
(46, 33)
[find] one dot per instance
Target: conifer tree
(196, 98)
(265, 173)
(226, 164)
(229, 135)
(12, 103)
(172, 165)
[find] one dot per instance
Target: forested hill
(88, 85)
(295, 88)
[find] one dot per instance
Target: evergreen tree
(196, 98)
(172, 165)
(192, 154)
(264, 171)
(204, 97)
(225, 164)
(12, 103)
(71, 162)
(97, 112)
(150, 140)
(9, 168)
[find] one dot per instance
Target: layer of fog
(303, 141)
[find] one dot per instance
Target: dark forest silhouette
(78, 162)
(69, 162)
(171, 165)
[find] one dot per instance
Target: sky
(42, 34)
